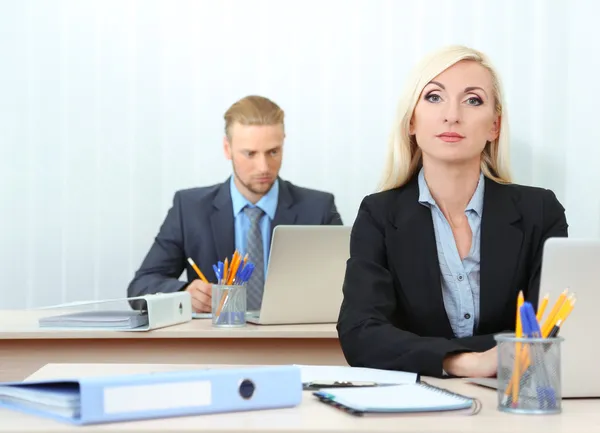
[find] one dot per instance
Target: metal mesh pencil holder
(529, 374)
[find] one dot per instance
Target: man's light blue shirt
(460, 278)
(268, 203)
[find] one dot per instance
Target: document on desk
(325, 374)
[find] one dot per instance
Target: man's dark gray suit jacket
(200, 225)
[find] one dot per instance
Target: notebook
(394, 399)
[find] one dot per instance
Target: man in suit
(207, 224)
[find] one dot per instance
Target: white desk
(24, 347)
(315, 417)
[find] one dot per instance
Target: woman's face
(455, 115)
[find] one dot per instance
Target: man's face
(256, 155)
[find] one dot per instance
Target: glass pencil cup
(529, 375)
(228, 306)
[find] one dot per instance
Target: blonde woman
(439, 255)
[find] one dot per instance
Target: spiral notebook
(417, 397)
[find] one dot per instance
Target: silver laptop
(305, 274)
(574, 264)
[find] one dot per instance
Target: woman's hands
(472, 364)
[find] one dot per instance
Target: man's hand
(201, 293)
(477, 364)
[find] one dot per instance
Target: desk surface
(23, 325)
(313, 416)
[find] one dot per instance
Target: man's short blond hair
(253, 110)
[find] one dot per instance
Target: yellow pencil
(235, 263)
(542, 308)
(567, 310)
(517, 364)
(225, 271)
(562, 314)
(197, 269)
(551, 319)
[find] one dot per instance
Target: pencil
(235, 263)
(561, 320)
(551, 319)
(568, 310)
(517, 364)
(225, 270)
(542, 308)
(562, 315)
(197, 269)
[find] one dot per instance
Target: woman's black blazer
(393, 316)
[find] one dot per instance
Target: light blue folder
(95, 400)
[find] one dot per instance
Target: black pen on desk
(316, 385)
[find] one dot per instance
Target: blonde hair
(404, 156)
(253, 110)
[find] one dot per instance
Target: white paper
(316, 373)
(406, 398)
(160, 396)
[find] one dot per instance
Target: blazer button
(467, 316)
(460, 277)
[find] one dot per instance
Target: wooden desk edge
(172, 334)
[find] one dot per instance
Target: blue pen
(238, 274)
(249, 271)
(241, 279)
(221, 266)
(531, 328)
(217, 274)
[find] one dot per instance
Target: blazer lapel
(414, 252)
(501, 241)
(286, 213)
(221, 221)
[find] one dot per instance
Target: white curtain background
(108, 107)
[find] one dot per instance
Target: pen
(531, 328)
(234, 272)
(216, 269)
(226, 279)
(315, 385)
(562, 317)
(554, 327)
